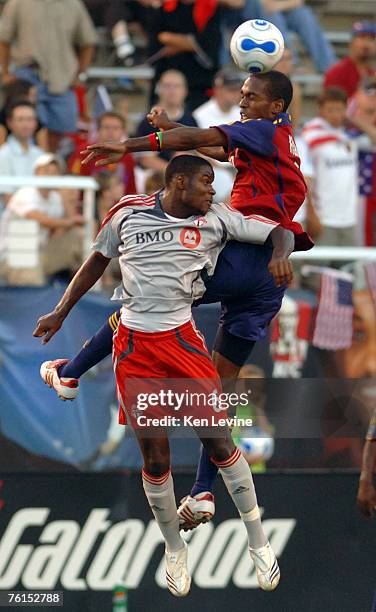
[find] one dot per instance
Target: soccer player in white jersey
(163, 243)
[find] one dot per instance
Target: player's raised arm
(159, 119)
(179, 139)
(90, 271)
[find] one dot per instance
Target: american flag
(370, 269)
(333, 327)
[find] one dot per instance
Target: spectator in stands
(171, 90)
(295, 16)
(286, 65)
(110, 126)
(19, 153)
(362, 108)
(335, 160)
(111, 190)
(60, 243)
(185, 35)
(154, 182)
(43, 37)
(114, 16)
(348, 72)
(223, 107)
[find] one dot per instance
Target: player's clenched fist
(159, 119)
(47, 326)
(366, 498)
(281, 269)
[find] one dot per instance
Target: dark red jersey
(268, 181)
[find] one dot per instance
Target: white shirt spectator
(29, 199)
(209, 114)
(335, 160)
(17, 161)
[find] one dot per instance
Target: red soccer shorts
(166, 374)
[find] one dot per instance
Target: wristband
(154, 141)
(159, 136)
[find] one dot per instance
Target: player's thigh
(186, 355)
(250, 317)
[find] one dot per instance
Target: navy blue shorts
(246, 290)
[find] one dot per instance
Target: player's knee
(156, 464)
(221, 449)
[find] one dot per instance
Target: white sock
(161, 497)
(239, 482)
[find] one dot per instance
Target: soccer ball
(257, 46)
(259, 446)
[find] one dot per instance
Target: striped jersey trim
(128, 200)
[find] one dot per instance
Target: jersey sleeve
(254, 136)
(108, 238)
(251, 228)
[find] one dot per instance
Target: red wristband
(154, 141)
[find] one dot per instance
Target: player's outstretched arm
(159, 119)
(90, 271)
(179, 139)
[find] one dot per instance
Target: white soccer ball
(259, 446)
(257, 46)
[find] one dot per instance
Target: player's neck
(171, 205)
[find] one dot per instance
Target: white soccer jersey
(161, 260)
(335, 181)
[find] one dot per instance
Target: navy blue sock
(206, 474)
(93, 351)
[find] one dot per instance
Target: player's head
(190, 178)
(266, 95)
(333, 105)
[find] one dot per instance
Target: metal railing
(84, 183)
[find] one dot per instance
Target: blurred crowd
(48, 114)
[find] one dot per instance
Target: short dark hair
(188, 165)
(17, 90)
(111, 115)
(16, 104)
(278, 86)
(332, 94)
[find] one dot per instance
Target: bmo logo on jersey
(190, 237)
(157, 236)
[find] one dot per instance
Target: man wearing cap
(59, 244)
(223, 107)
(348, 72)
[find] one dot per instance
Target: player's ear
(278, 106)
(181, 181)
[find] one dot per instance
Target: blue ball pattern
(247, 44)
